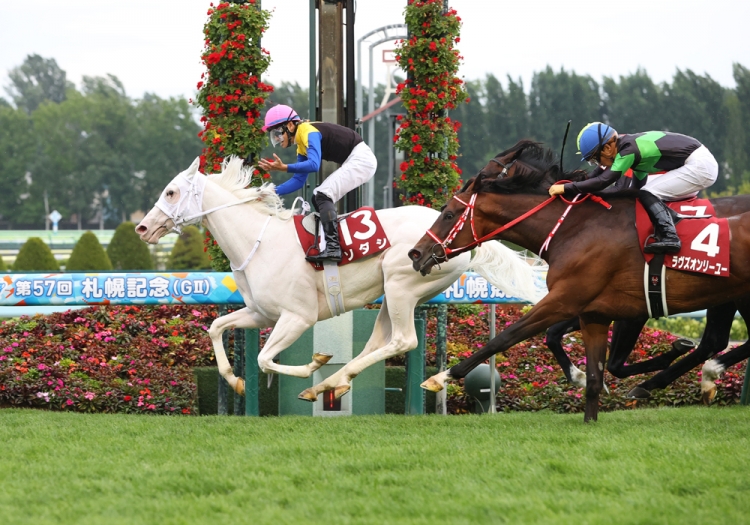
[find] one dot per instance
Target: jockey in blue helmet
(318, 141)
(687, 165)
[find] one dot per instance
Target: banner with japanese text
(83, 289)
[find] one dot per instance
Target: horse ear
(478, 183)
(193, 169)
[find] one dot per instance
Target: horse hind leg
(243, 318)
(380, 336)
(403, 337)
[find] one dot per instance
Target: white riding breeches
(698, 173)
(358, 168)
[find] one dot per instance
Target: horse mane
(235, 177)
(537, 169)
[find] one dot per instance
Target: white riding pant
(698, 173)
(358, 168)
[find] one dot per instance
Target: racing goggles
(276, 135)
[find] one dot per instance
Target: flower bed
(139, 360)
(532, 380)
(116, 359)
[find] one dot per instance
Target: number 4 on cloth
(711, 234)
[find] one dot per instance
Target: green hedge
(35, 256)
(127, 252)
(88, 255)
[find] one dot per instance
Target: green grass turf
(686, 465)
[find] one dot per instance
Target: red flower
(433, 46)
(404, 166)
(128, 398)
(417, 148)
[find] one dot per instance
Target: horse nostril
(414, 254)
(141, 229)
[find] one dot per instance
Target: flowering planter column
(231, 96)
(427, 135)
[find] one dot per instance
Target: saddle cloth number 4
(709, 234)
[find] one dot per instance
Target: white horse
(283, 291)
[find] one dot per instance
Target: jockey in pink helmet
(318, 141)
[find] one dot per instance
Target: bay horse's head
(436, 245)
(179, 205)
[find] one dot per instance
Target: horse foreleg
(288, 329)
(380, 335)
(595, 339)
(553, 308)
(553, 340)
(243, 318)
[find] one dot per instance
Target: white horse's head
(180, 204)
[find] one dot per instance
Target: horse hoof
(432, 385)
(639, 393)
(239, 386)
(308, 395)
(708, 395)
(683, 346)
(321, 359)
(341, 391)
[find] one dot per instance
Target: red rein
(469, 212)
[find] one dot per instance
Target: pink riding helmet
(278, 115)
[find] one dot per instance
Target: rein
(477, 241)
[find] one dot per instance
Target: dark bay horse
(528, 155)
(595, 263)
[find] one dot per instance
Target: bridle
(468, 214)
(505, 167)
(187, 210)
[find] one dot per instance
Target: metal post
(239, 369)
(441, 355)
(493, 365)
(313, 94)
(252, 347)
(415, 370)
(745, 395)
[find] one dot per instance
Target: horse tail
(507, 270)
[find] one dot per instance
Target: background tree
(36, 80)
(3, 268)
(695, 105)
(35, 256)
(164, 143)
(188, 253)
(88, 254)
(17, 147)
(633, 104)
(556, 98)
(127, 252)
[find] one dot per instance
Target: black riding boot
(327, 211)
(665, 236)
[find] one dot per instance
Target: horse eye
(449, 216)
(170, 193)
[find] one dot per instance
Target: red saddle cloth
(360, 235)
(705, 242)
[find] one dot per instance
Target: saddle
(360, 235)
(705, 248)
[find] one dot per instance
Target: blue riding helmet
(592, 138)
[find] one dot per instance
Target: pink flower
(89, 395)
(69, 402)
